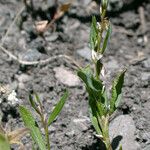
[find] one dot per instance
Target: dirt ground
(129, 47)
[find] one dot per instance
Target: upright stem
(105, 132)
(44, 122)
(47, 136)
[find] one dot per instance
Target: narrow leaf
(93, 33)
(33, 104)
(116, 91)
(91, 83)
(57, 108)
(106, 39)
(30, 123)
(99, 66)
(95, 125)
(4, 143)
(94, 121)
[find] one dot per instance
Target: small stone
(24, 78)
(51, 129)
(122, 132)
(66, 77)
(81, 124)
(70, 133)
(146, 64)
(145, 76)
(112, 64)
(140, 40)
(51, 37)
(86, 2)
(146, 136)
(147, 147)
(115, 5)
(85, 53)
(30, 55)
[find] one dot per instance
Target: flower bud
(104, 4)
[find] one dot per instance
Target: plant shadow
(99, 145)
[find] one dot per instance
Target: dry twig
(12, 56)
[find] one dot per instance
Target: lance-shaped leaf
(58, 108)
(106, 39)
(95, 122)
(30, 123)
(33, 104)
(117, 91)
(93, 85)
(94, 88)
(99, 67)
(105, 4)
(93, 33)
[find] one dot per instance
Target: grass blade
(57, 108)
(30, 123)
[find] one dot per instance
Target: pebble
(81, 124)
(85, 53)
(51, 37)
(66, 77)
(112, 64)
(30, 55)
(86, 2)
(115, 5)
(146, 64)
(123, 126)
(145, 76)
(24, 78)
(70, 133)
(147, 147)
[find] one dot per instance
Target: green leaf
(104, 4)
(99, 66)
(93, 85)
(106, 39)
(4, 143)
(30, 123)
(93, 33)
(37, 98)
(117, 91)
(57, 108)
(95, 123)
(32, 101)
(94, 88)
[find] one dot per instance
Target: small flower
(12, 99)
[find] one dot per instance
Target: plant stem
(45, 126)
(47, 136)
(105, 130)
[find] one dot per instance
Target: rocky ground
(129, 47)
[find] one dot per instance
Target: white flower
(12, 99)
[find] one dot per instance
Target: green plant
(13, 137)
(31, 123)
(101, 106)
